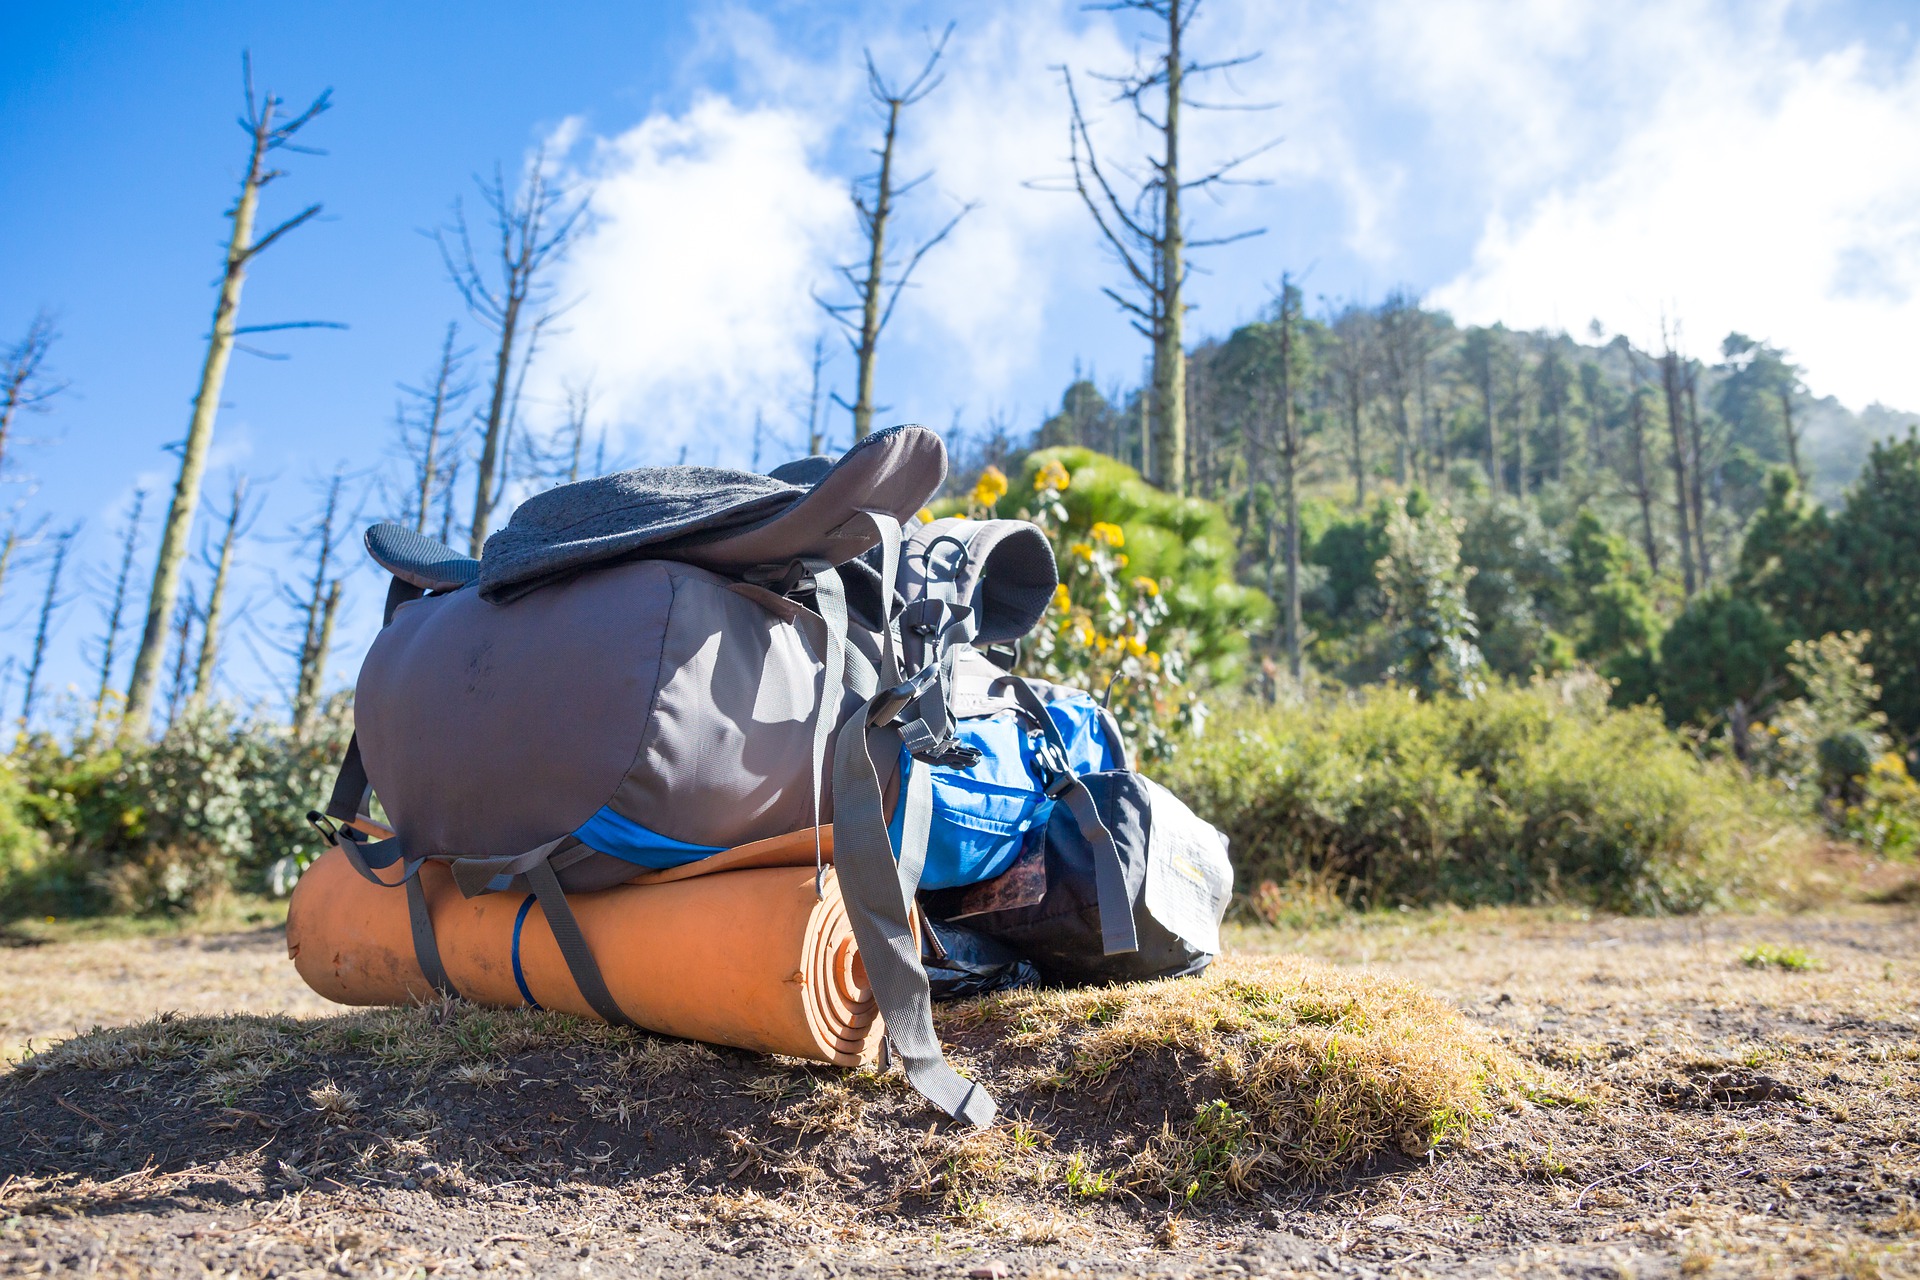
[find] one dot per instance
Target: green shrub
(1184, 544)
(26, 864)
(1525, 794)
(172, 824)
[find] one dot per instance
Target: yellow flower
(1153, 660)
(1122, 559)
(990, 487)
(1082, 550)
(1135, 646)
(924, 515)
(1100, 643)
(1083, 635)
(1061, 600)
(1147, 585)
(1052, 477)
(1110, 534)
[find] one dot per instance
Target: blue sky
(1538, 161)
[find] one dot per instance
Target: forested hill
(1421, 388)
(1645, 512)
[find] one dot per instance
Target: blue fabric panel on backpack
(981, 813)
(609, 832)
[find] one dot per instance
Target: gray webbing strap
(476, 876)
(1117, 933)
(881, 918)
(833, 675)
(878, 892)
(573, 944)
(426, 949)
(889, 530)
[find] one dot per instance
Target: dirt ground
(1704, 1117)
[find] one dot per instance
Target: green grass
(1767, 955)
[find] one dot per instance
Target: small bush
(169, 825)
(1525, 794)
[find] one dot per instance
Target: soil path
(1719, 1119)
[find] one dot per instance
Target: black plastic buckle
(888, 705)
(324, 825)
(1056, 773)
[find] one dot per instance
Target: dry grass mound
(1266, 1072)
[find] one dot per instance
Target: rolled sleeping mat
(747, 957)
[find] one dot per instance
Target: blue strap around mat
(519, 977)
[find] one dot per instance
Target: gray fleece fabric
(711, 515)
(557, 533)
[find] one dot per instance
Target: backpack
(648, 668)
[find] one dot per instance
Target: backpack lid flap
(728, 521)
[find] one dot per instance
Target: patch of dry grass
(1310, 1069)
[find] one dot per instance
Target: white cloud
(1765, 190)
(1549, 160)
(710, 227)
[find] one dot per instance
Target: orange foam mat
(744, 954)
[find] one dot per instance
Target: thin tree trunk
(492, 444)
(815, 445)
(7, 547)
(870, 295)
(436, 410)
(313, 670)
(177, 694)
(1290, 478)
(1793, 436)
(1699, 466)
(1642, 483)
(1495, 480)
(217, 598)
(1676, 429)
(116, 612)
(48, 604)
(1169, 347)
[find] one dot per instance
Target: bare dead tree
(1352, 367)
(1676, 429)
(50, 604)
(1292, 455)
(878, 282)
(580, 398)
(116, 609)
(1698, 447)
(267, 134)
(317, 604)
(428, 434)
(1481, 353)
(815, 444)
(1403, 348)
(178, 692)
(1146, 227)
(234, 524)
(1786, 390)
(535, 224)
(1639, 474)
(447, 514)
(25, 385)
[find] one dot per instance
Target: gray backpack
(651, 667)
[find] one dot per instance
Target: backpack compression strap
(1117, 933)
(877, 891)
